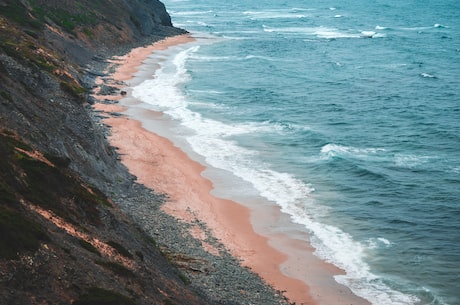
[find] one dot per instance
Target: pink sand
(158, 164)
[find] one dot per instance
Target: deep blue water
(344, 113)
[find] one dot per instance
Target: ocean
(346, 114)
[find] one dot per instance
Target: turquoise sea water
(346, 114)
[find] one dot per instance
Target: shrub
(74, 89)
(18, 234)
(116, 268)
(89, 247)
(99, 296)
(122, 250)
(6, 96)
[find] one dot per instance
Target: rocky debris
(107, 90)
(221, 277)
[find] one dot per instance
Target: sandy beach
(285, 262)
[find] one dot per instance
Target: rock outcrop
(46, 49)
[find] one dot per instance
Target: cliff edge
(62, 240)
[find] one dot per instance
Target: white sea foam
(266, 58)
(321, 32)
(330, 151)
(210, 139)
(202, 23)
(372, 34)
(214, 58)
(273, 15)
(368, 34)
(379, 242)
(427, 75)
(230, 58)
(230, 36)
(324, 32)
(290, 13)
(190, 13)
(339, 248)
(335, 150)
(208, 104)
(334, 33)
(411, 161)
(418, 28)
(210, 91)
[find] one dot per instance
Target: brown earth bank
(75, 227)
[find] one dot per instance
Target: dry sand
(160, 165)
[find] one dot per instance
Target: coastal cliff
(65, 234)
(49, 51)
(62, 239)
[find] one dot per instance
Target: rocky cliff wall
(47, 48)
(62, 240)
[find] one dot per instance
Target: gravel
(221, 278)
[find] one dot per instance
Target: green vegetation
(122, 250)
(48, 187)
(52, 188)
(168, 302)
(45, 185)
(88, 32)
(43, 63)
(92, 196)
(140, 255)
(14, 10)
(89, 247)
(31, 33)
(73, 88)
(147, 238)
(7, 196)
(58, 161)
(22, 46)
(10, 141)
(135, 21)
(68, 18)
(22, 42)
(40, 12)
(99, 296)
(18, 234)
(184, 278)
(8, 183)
(6, 96)
(116, 268)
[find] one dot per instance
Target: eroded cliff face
(47, 49)
(61, 239)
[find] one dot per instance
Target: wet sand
(283, 260)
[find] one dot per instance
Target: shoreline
(161, 166)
